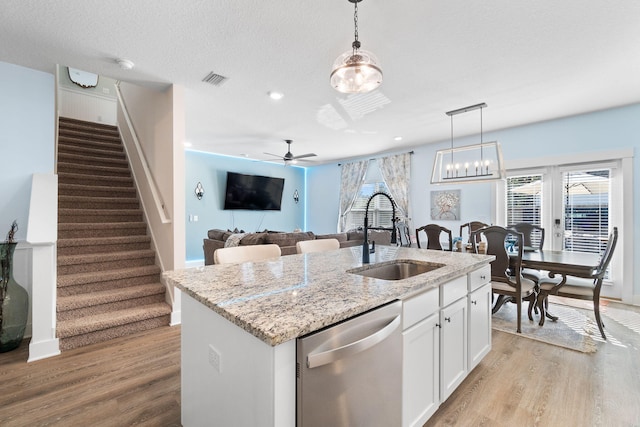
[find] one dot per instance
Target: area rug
(575, 328)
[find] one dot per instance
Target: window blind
(524, 196)
(586, 197)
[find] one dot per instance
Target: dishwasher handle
(330, 356)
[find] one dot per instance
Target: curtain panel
(351, 178)
(396, 172)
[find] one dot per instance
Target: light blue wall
(616, 128)
(211, 171)
(27, 135)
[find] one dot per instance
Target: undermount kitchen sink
(396, 270)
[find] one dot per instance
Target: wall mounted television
(253, 192)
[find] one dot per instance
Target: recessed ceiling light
(188, 144)
(397, 138)
(275, 95)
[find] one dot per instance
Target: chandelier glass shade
(356, 71)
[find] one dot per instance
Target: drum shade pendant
(356, 71)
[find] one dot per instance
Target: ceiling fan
(290, 158)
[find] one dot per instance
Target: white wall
(612, 129)
(158, 121)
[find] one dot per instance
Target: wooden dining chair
(506, 270)
(580, 288)
(239, 254)
(472, 226)
(533, 234)
(433, 232)
(533, 240)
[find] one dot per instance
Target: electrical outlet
(214, 358)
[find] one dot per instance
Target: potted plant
(14, 299)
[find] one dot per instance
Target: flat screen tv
(253, 192)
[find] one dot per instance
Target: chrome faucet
(365, 245)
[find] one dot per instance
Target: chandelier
(469, 163)
(356, 70)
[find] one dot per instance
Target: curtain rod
(376, 158)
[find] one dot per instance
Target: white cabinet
(421, 371)
(479, 324)
(446, 332)
(453, 347)
(479, 328)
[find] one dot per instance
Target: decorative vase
(14, 302)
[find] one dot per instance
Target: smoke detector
(125, 64)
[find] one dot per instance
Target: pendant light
(469, 163)
(356, 71)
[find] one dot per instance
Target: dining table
(560, 264)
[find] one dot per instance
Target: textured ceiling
(529, 61)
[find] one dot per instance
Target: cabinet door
(421, 371)
(479, 324)
(453, 347)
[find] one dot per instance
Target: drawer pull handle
(474, 302)
(438, 325)
(448, 319)
(483, 277)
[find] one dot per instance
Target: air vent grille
(214, 79)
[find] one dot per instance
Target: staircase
(108, 283)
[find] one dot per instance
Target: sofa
(217, 238)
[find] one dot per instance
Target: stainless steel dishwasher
(350, 374)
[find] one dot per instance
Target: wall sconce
(469, 163)
(199, 191)
(296, 196)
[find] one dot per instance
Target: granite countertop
(280, 300)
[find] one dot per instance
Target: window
(586, 210)
(524, 196)
(380, 210)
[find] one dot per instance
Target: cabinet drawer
(419, 307)
(453, 291)
(479, 277)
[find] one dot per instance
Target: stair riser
(94, 143)
(78, 217)
(65, 291)
(119, 192)
(98, 249)
(119, 204)
(93, 170)
(95, 181)
(104, 265)
(113, 306)
(111, 333)
(92, 161)
(74, 124)
(71, 149)
(108, 232)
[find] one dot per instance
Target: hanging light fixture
(469, 163)
(356, 71)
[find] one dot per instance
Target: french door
(576, 204)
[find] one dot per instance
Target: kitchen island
(240, 323)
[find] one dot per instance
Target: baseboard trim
(43, 349)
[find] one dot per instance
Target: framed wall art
(445, 205)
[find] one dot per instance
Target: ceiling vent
(214, 79)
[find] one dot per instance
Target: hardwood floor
(528, 383)
(136, 381)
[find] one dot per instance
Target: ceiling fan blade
(302, 156)
(274, 155)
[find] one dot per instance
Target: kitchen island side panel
(230, 377)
